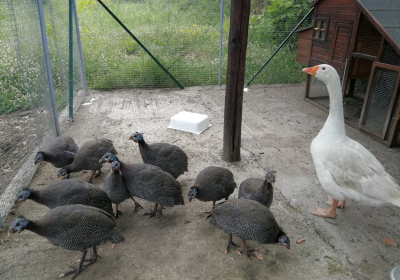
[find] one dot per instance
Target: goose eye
(323, 68)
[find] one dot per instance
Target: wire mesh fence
(184, 36)
(28, 118)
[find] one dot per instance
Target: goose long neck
(334, 124)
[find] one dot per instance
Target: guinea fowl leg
(249, 252)
(137, 205)
(117, 212)
(155, 210)
(81, 266)
(340, 203)
(327, 213)
(209, 213)
(94, 174)
(230, 243)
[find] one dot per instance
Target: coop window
(320, 29)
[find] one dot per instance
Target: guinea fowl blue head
(192, 193)
(18, 225)
(284, 240)
(108, 157)
(115, 165)
(39, 157)
(22, 196)
(136, 137)
(62, 174)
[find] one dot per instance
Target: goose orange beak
(311, 70)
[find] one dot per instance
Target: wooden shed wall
(334, 51)
(303, 46)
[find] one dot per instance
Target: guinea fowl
(212, 183)
(169, 158)
(258, 190)
(60, 152)
(115, 188)
(73, 227)
(248, 220)
(87, 158)
(345, 168)
(67, 192)
(150, 183)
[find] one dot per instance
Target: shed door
(381, 100)
(341, 41)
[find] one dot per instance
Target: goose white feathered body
(345, 168)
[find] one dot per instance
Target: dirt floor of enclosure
(278, 127)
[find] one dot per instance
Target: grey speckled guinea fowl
(115, 188)
(59, 152)
(212, 184)
(151, 183)
(87, 158)
(248, 220)
(168, 157)
(258, 189)
(67, 192)
(73, 227)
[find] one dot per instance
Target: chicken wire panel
(184, 36)
(26, 114)
(379, 97)
(57, 31)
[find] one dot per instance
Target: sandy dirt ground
(278, 127)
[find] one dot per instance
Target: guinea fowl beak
(102, 160)
(311, 70)
(287, 246)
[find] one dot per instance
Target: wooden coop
(361, 40)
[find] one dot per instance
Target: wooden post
(239, 26)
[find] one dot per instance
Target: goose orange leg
(327, 213)
(340, 203)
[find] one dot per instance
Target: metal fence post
(221, 23)
(53, 116)
(78, 41)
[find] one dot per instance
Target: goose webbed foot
(325, 213)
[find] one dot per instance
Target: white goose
(345, 168)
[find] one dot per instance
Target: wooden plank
(347, 9)
(304, 42)
(336, 2)
(237, 45)
(321, 51)
(303, 48)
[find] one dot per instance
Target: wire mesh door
(380, 100)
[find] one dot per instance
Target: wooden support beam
(238, 33)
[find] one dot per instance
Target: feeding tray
(190, 122)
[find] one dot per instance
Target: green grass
(183, 35)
